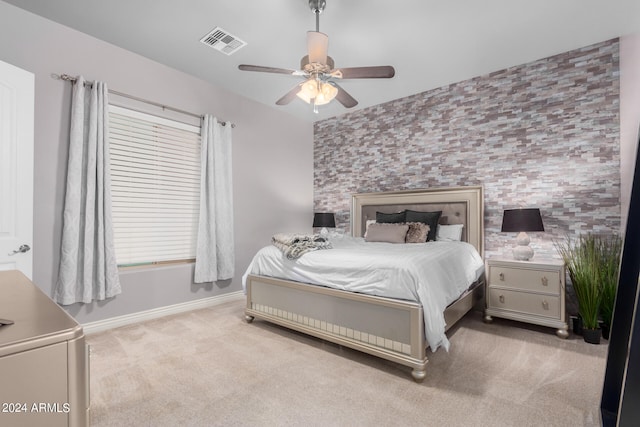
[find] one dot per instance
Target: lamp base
(522, 252)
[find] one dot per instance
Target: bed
(390, 328)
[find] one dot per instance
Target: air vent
(222, 41)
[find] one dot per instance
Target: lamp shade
(517, 220)
(324, 219)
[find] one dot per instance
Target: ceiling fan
(317, 68)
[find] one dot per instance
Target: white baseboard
(127, 319)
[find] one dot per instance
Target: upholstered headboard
(459, 205)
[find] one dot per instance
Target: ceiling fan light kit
(317, 68)
(318, 92)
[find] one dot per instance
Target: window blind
(155, 187)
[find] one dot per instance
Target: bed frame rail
(384, 327)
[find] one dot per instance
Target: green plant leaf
(593, 263)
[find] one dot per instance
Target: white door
(16, 168)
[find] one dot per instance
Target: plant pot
(605, 329)
(576, 322)
(591, 336)
(605, 332)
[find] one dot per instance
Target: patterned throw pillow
(429, 218)
(417, 232)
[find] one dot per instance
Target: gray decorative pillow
(429, 218)
(385, 232)
(390, 217)
(417, 232)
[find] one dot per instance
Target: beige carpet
(209, 368)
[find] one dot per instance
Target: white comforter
(434, 274)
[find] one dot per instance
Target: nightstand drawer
(540, 305)
(526, 279)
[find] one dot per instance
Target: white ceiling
(430, 43)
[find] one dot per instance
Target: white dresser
(527, 291)
(44, 362)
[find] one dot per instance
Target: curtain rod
(72, 79)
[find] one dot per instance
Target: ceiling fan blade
(379, 72)
(262, 69)
(289, 96)
(344, 98)
(317, 46)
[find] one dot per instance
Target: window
(155, 187)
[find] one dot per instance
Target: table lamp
(324, 220)
(521, 221)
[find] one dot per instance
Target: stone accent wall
(544, 134)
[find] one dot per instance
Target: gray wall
(544, 134)
(270, 193)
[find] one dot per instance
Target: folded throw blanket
(296, 245)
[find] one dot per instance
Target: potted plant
(609, 267)
(582, 260)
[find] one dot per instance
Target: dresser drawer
(523, 302)
(526, 279)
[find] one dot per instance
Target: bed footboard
(383, 327)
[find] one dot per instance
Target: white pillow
(449, 233)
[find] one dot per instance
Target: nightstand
(527, 291)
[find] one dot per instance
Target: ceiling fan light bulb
(329, 91)
(308, 90)
(310, 87)
(326, 94)
(305, 93)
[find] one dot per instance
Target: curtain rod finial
(65, 77)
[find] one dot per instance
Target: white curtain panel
(215, 255)
(88, 269)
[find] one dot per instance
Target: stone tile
(543, 134)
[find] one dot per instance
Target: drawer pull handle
(545, 281)
(501, 298)
(545, 305)
(502, 276)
